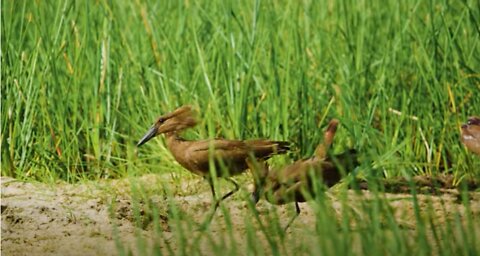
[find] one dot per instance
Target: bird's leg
(259, 169)
(212, 188)
(283, 195)
(237, 187)
(209, 218)
(213, 210)
(297, 212)
(227, 195)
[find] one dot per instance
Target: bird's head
(328, 136)
(471, 134)
(180, 119)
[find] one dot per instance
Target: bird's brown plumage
(471, 134)
(296, 182)
(228, 156)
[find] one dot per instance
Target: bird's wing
(266, 148)
(301, 169)
(228, 151)
(294, 173)
(218, 145)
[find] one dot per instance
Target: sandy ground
(99, 218)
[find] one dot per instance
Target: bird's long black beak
(148, 136)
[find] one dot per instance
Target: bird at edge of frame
(471, 134)
(296, 182)
(229, 156)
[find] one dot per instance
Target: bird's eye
(161, 120)
(473, 121)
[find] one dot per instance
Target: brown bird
(471, 134)
(297, 182)
(228, 156)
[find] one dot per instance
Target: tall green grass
(82, 80)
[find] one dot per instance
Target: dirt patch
(439, 184)
(65, 220)
(106, 218)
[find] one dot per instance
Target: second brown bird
(298, 182)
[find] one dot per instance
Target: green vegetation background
(83, 80)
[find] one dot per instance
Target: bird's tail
(266, 148)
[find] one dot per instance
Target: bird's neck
(173, 140)
(178, 147)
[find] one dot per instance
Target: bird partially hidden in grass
(298, 182)
(471, 134)
(228, 156)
